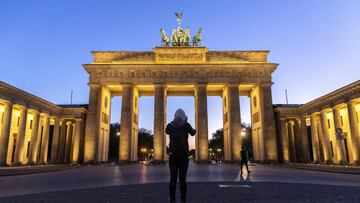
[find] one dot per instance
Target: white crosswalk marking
(227, 186)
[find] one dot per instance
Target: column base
(92, 162)
(3, 164)
(327, 162)
(355, 163)
(203, 162)
(17, 164)
(125, 162)
(31, 163)
(158, 162)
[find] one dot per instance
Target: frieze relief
(223, 73)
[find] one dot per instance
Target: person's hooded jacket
(178, 131)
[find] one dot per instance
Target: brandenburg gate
(183, 69)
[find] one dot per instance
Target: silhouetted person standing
(244, 159)
(179, 130)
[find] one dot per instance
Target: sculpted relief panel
(195, 74)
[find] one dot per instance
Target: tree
(216, 144)
(145, 143)
(114, 142)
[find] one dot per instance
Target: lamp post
(143, 150)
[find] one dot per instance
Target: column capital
(35, 111)
(44, 114)
(78, 120)
(92, 85)
(352, 101)
(315, 113)
(7, 102)
(325, 110)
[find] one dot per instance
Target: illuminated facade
(306, 133)
(180, 71)
(35, 131)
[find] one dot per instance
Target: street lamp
(118, 133)
(243, 132)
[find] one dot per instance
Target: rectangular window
(332, 149)
(28, 149)
(18, 121)
(342, 121)
(31, 122)
(328, 121)
(357, 116)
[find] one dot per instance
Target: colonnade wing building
(307, 133)
(35, 131)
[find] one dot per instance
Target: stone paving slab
(202, 192)
(326, 168)
(23, 170)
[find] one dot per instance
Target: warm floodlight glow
(243, 132)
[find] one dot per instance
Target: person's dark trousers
(178, 166)
(242, 164)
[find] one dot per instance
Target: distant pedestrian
(179, 130)
(251, 157)
(244, 159)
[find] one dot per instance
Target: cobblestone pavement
(202, 192)
(138, 182)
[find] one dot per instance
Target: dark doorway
(51, 131)
(308, 128)
(346, 150)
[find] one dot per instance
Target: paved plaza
(207, 183)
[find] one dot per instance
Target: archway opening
(215, 129)
(187, 103)
(145, 149)
(115, 129)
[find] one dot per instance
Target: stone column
(268, 123)
(5, 132)
(21, 136)
(201, 117)
(304, 141)
(297, 139)
(326, 138)
(45, 140)
(354, 131)
(92, 122)
(77, 135)
(63, 132)
(234, 122)
(159, 123)
(126, 123)
(284, 140)
(34, 138)
(337, 124)
(55, 141)
(315, 139)
(69, 134)
(292, 141)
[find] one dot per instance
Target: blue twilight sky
(44, 43)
